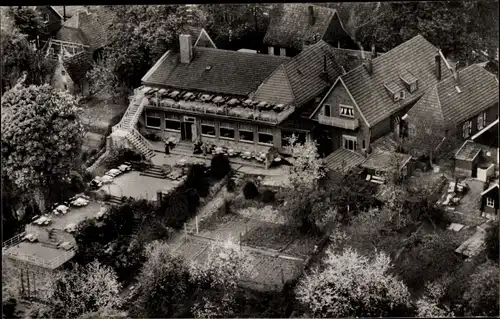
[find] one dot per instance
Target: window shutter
(266, 130)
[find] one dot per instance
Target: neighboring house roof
(78, 65)
(71, 35)
(214, 70)
(51, 8)
(199, 37)
(300, 79)
(383, 161)
(342, 160)
(387, 142)
(290, 26)
(416, 56)
(490, 189)
(94, 24)
(478, 90)
(468, 151)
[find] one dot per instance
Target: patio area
(133, 184)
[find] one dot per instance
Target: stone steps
(154, 171)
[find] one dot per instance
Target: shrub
(84, 156)
(220, 166)
(492, 242)
(77, 183)
(250, 190)
(87, 176)
(153, 137)
(231, 185)
(268, 196)
(93, 152)
(196, 180)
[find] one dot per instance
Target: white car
(79, 202)
(62, 209)
(107, 179)
(113, 172)
(70, 228)
(124, 168)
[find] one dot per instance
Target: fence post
(196, 220)
(240, 241)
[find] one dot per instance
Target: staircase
(136, 227)
(154, 171)
(129, 121)
(183, 148)
(115, 200)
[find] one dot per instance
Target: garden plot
(229, 226)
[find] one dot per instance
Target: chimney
(185, 48)
(374, 54)
(312, 18)
(455, 73)
(438, 67)
(368, 66)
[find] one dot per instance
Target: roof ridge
(288, 82)
(277, 57)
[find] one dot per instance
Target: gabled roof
(416, 56)
(199, 37)
(214, 70)
(93, 24)
(290, 26)
(78, 65)
(300, 79)
(490, 189)
(71, 35)
(51, 8)
(342, 160)
(478, 91)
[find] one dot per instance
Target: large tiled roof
(290, 27)
(416, 56)
(78, 65)
(95, 25)
(300, 79)
(71, 35)
(478, 91)
(214, 70)
(343, 160)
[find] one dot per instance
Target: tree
(350, 284)
(460, 28)
(41, 139)
(85, 290)
(217, 279)
(234, 25)
(163, 284)
(137, 42)
(482, 295)
(491, 241)
(429, 305)
(429, 138)
(220, 166)
(307, 167)
(18, 56)
(27, 20)
(428, 257)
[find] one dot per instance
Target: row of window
(345, 110)
(467, 126)
(351, 142)
(208, 128)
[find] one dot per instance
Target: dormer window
(395, 91)
(409, 80)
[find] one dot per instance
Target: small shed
(380, 163)
(474, 160)
(489, 202)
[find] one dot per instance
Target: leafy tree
(491, 242)
(482, 295)
(307, 167)
(458, 28)
(429, 305)
(220, 166)
(137, 42)
(27, 20)
(163, 284)
(429, 139)
(350, 284)
(234, 25)
(428, 257)
(41, 139)
(217, 279)
(104, 81)
(84, 290)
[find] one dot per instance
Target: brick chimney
(374, 54)
(368, 66)
(185, 48)
(455, 73)
(438, 66)
(312, 18)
